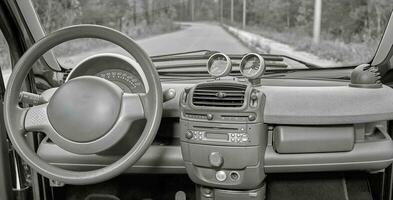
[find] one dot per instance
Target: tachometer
(126, 80)
(252, 66)
(219, 65)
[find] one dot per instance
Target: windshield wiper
(307, 64)
(193, 55)
(206, 53)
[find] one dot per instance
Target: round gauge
(219, 65)
(252, 66)
(126, 80)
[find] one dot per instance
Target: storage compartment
(372, 151)
(310, 139)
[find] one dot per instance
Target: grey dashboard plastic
(364, 156)
(304, 105)
(168, 158)
(327, 105)
(157, 159)
(312, 139)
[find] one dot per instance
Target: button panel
(196, 116)
(198, 135)
(238, 137)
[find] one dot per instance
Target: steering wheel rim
(13, 113)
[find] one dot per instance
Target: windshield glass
(326, 33)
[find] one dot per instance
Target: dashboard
(282, 125)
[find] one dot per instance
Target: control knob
(216, 159)
(189, 134)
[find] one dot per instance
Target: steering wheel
(86, 115)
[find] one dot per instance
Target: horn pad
(84, 109)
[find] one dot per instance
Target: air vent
(219, 95)
(66, 74)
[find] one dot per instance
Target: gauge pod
(219, 65)
(252, 66)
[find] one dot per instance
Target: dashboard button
(251, 117)
(221, 176)
(234, 176)
(189, 134)
(216, 159)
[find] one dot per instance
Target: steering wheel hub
(81, 115)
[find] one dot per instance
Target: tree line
(349, 20)
(119, 14)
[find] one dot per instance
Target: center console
(223, 139)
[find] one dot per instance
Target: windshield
(328, 33)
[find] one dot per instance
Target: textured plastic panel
(220, 194)
(233, 156)
(157, 159)
(302, 139)
(312, 103)
(258, 194)
(369, 156)
(327, 105)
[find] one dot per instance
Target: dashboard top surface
(298, 98)
(302, 102)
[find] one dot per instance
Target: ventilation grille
(66, 74)
(219, 95)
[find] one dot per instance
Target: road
(193, 36)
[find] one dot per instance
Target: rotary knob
(189, 134)
(221, 176)
(216, 159)
(252, 117)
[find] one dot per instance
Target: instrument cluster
(120, 70)
(252, 65)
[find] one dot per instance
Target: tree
(57, 14)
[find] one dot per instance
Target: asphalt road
(192, 36)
